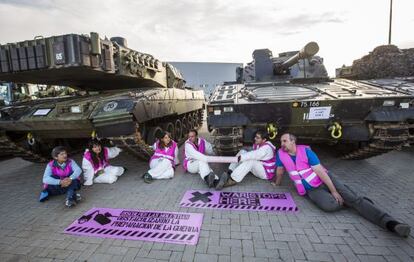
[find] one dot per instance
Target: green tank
(69, 88)
(293, 93)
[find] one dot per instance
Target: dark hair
(96, 158)
(193, 130)
(263, 134)
(57, 150)
(161, 136)
(291, 137)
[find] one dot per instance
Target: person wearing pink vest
(196, 150)
(163, 161)
(61, 176)
(95, 164)
(260, 162)
(324, 189)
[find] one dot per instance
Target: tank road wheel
(142, 129)
(200, 117)
(178, 130)
(190, 121)
(195, 120)
(184, 125)
(153, 134)
(169, 127)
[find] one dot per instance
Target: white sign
(42, 112)
(322, 112)
(404, 105)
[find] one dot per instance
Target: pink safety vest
(268, 164)
(102, 164)
(300, 170)
(163, 153)
(58, 172)
(201, 148)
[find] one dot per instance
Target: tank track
(136, 145)
(386, 137)
(8, 147)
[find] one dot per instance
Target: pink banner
(250, 201)
(170, 227)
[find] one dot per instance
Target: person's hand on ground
(276, 183)
(338, 198)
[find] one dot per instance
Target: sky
(218, 30)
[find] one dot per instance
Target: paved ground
(30, 230)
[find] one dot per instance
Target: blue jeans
(70, 191)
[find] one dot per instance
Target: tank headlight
(75, 109)
(217, 112)
(228, 109)
(389, 103)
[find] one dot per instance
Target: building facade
(207, 75)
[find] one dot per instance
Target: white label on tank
(42, 112)
(322, 112)
(110, 106)
(404, 105)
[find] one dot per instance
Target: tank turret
(288, 65)
(91, 62)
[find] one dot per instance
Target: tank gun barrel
(309, 50)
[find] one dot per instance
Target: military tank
(387, 66)
(72, 87)
(293, 93)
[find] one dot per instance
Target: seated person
(325, 190)
(195, 160)
(95, 164)
(260, 162)
(165, 158)
(61, 177)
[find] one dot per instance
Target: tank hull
(365, 115)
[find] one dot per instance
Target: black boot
(209, 179)
(223, 179)
(216, 181)
(230, 182)
(147, 178)
(401, 229)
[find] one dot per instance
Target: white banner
(222, 159)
